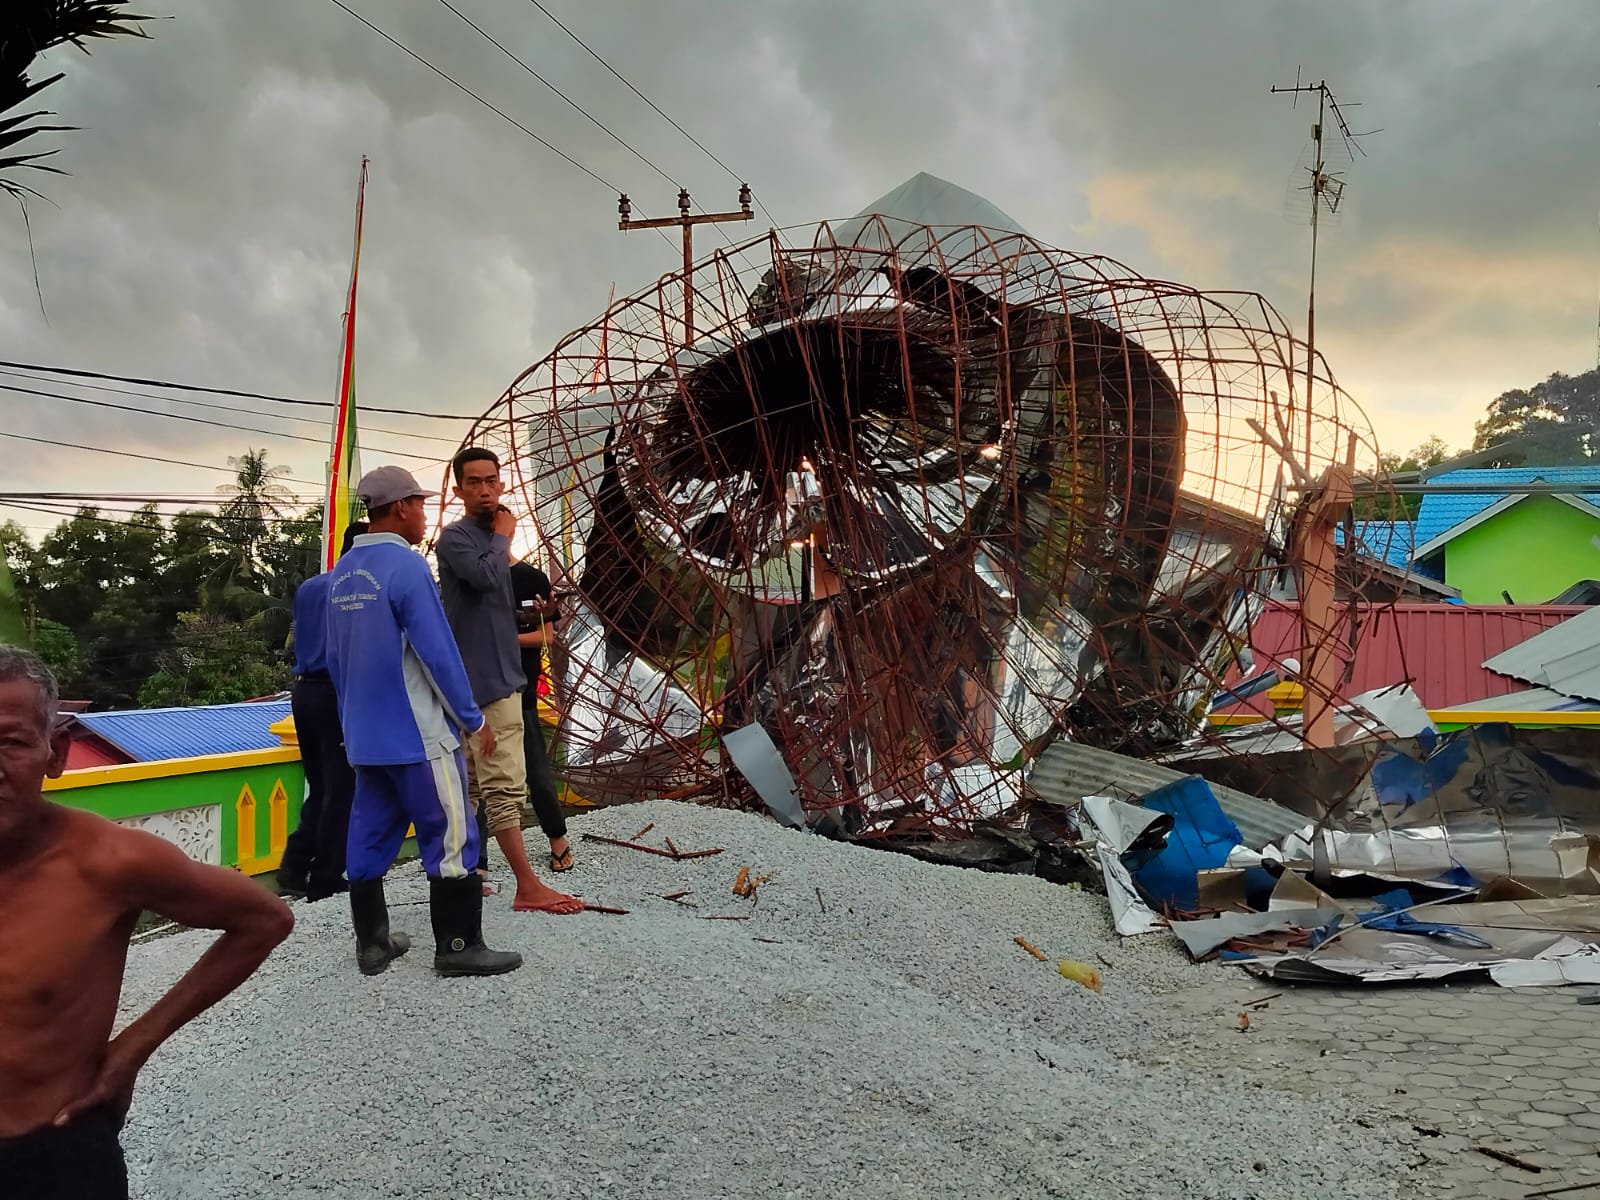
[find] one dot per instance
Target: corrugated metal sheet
(1440, 648)
(1565, 659)
(1068, 771)
(154, 734)
(1441, 513)
(1534, 700)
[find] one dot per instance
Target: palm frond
(31, 28)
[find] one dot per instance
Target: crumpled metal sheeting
(1067, 772)
(1492, 773)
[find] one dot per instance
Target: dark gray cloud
(204, 233)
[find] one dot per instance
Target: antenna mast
(1327, 190)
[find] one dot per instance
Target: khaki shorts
(498, 784)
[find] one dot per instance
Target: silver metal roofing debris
(1068, 771)
(1534, 700)
(1565, 659)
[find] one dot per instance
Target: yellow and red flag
(340, 504)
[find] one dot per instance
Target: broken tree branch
(1561, 1191)
(1511, 1160)
(673, 853)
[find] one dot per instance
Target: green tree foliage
(213, 661)
(194, 610)
(16, 556)
(1554, 423)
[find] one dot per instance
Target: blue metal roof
(153, 734)
(1387, 541)
(1441, 513)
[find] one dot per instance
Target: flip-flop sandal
(561, 862)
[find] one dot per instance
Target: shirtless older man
(71, 888)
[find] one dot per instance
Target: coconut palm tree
(28, 29)
(254, 503)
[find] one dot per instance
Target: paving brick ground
(1453, 1068)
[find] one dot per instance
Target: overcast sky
(204, 232)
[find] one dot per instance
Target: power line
(146, 412)
(192, 387)
(176, 462)
(625, 83)
(502, 114)
(100, 387)
(573, 104)
(157, 498)
(499, 112)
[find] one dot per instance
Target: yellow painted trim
(262, 866)
(1287, 693)
(166, 768)
(285, 731)
(278, 818)
(245, 831)
(1449, 716)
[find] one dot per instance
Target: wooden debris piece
(727, 917)
(679, 895)
(741, 885)
(820, 904)
(642, 832)
(601, 908)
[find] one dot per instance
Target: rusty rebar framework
(917, 501)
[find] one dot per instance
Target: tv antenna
(1325, 190)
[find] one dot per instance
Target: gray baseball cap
(385, 485)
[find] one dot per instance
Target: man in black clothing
(313, 858)
(537, 620)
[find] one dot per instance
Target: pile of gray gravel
(871, 1030)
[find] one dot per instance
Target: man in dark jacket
(475, 585)
(313, 858)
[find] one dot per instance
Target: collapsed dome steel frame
(916, 501)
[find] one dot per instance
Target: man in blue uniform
(313, 858)
(405, 705)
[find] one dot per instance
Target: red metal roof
(1439, 648)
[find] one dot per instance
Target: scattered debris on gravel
(791, 1017)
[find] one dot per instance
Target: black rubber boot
(457, 908)
(376, 945)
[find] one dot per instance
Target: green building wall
(1536, 549)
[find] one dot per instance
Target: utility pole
(687, 221)
(1327, 190)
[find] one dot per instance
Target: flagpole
(343, 454)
